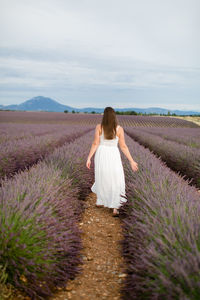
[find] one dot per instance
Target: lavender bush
(37, 230)
(17, 154)
(40, 240)
(12, 131)
(178, 157)
(187, 136)
(76, 155)
(161, 223)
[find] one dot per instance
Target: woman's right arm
(125, 149)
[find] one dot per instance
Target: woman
(109, 182)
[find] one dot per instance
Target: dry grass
(193, 119)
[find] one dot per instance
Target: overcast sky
(120, 53)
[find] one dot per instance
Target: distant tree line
(132, 112)
(77, 112)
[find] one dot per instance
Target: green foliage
(22, 240)
(3, 275)
(128, 112)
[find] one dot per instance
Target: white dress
(109, 185)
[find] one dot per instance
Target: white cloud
(151, 31)
(90, 44)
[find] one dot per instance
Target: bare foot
(115, 212)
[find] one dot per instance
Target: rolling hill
(41, 103)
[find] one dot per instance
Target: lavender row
(15, 131)
(154, 121)
(40, 241)
(16, 155)
(91, 119)
(186, 136)
(161, 230)
(75, 154)
(178, 157)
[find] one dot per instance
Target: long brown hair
(109, 123)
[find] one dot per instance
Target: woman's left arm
(94, 146)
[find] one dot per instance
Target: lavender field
(186, 136)
(43, 200)
(180, 157)
(18, 153)
(21, 117)
(161, 231)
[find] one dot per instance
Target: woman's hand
(134, 165)
(88, 163)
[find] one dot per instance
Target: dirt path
(103, 268)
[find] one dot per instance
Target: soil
(103, 269)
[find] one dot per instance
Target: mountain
(41, 103)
